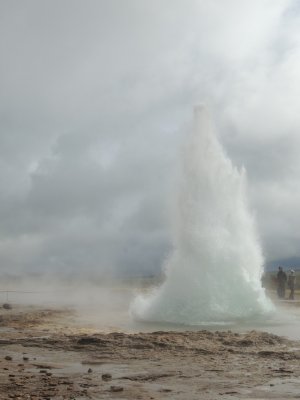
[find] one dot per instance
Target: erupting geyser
(214, 271)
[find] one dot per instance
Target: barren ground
(44, 354)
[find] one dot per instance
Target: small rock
(8, 358)
(116, 389)
(7, 306)
(25, 358)
(90, 370)
(106, 377)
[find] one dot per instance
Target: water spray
(214, 271)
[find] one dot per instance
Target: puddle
(281, 387)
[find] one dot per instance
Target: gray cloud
(94, 103)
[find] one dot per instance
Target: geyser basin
(214, 271)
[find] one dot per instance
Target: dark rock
(106, 377)
(8, 358)
(90, 370)
(7, 306)
(116, 389)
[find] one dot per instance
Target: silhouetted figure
(291, 284)
(281, 281)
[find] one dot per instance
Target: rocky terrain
(45, 354)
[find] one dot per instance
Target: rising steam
(214, 272)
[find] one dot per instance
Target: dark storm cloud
(94, 101)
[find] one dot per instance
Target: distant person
(281, 281)
(291, 284)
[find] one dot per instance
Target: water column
(214, 271)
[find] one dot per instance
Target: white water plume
(214, 272)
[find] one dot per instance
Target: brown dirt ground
(45, 355)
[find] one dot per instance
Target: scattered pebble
(90, 370)
(8, 358)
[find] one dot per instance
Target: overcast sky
(96, 99)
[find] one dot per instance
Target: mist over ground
(96, 99)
